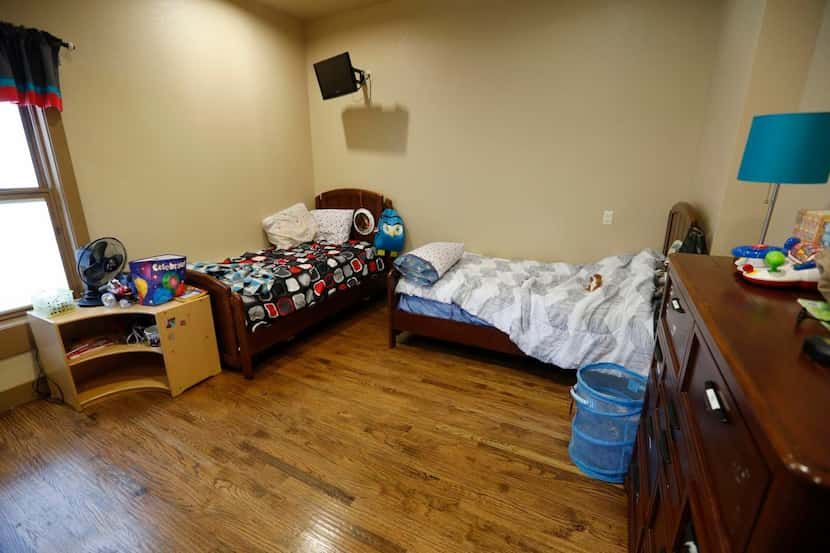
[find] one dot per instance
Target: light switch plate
(608, 217)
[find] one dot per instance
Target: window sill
(15, 337)
(12, 315)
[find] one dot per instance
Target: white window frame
(50, 189)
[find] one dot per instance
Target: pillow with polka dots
(425, 265)
(333, 225)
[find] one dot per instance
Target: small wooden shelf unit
(186, 355)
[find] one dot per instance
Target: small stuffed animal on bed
(390, 237)
(596, 282)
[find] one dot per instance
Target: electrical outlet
(608, 217)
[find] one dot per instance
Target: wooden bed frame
(237, 346)
(681, 218)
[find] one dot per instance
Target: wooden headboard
(681, 218)
(354, 198)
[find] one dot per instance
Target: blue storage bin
(611, 388)
(604, 460)
(609, 399)
(613, 478)
(608, 427)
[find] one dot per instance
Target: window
(36, 245)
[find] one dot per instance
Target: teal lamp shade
(788, 148)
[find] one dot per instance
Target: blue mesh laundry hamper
(608, 399)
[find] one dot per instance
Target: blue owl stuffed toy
(390, 236)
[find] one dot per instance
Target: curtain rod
(65, 43)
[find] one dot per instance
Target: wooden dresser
(733, 449)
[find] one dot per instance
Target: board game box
(159, 279)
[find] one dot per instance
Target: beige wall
(511, 126)
(15, 371)
(17, 375)
(739, 31)
(816, 97)
(187, 121)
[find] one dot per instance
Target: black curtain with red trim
(29, 67)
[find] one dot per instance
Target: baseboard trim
(14, 397)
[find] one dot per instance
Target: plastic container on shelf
(48, 303)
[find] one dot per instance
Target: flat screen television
(336, 76)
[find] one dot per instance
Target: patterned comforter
(546, 311)
(275, 283)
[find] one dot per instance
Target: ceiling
(312, 9)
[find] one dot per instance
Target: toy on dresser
(792, 266)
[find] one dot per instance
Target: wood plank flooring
(338, 444)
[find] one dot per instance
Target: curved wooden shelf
(186, 353)
(146, 377)
(115, 349)
(84, 313)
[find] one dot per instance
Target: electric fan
(98, 263)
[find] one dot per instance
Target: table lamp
(786, 148)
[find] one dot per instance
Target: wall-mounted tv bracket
(361, 77)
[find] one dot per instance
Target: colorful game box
(159, 279)
(810, 225)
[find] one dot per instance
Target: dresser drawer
(677, 323)
(650, 453)
(675, 428)
(650, 398)
(660, 526)
(648, 431)
(667, 459)
(678, 439)
(637, 492)
(732, 463)
(647, 545)
(658, 362)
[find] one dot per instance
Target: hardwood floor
(338, 444)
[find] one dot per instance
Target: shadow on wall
(376, 129)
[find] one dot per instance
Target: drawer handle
(663, 442)
(675, 304)
(714, 401)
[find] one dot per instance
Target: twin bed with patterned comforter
(275, 283)
(267, 297)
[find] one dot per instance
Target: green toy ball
(774, 260)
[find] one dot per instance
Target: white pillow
(333, 225)
(289, 227)
(425, 265)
